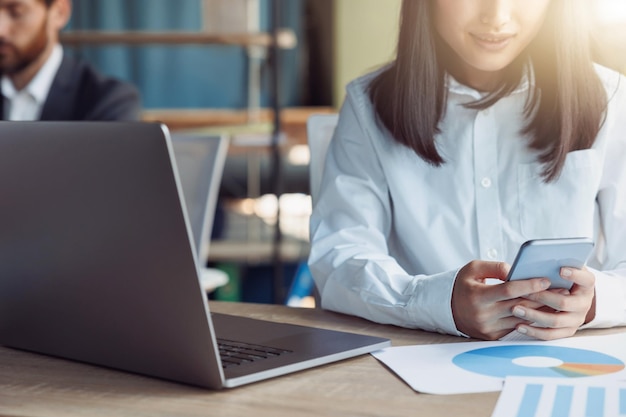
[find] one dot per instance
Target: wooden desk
(36, 385)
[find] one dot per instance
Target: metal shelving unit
(260, 46)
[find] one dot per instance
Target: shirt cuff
(610, 301)
(430, 307)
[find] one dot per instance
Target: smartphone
(541, 258)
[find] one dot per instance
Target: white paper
(516, 336)
(468, 367)
(562, 397)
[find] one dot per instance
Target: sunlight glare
(609, 11)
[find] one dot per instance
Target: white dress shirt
(389, 231)
(27, 103)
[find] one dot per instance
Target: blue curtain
(181, 76)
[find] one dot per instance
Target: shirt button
(492, 253)
(486, 182)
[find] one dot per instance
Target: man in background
(40, 82)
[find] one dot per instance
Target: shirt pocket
(562, 208)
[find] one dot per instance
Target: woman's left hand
(564, 312)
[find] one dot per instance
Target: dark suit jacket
(79, 92)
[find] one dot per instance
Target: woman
(491, 127)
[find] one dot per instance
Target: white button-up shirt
(390, 231)
(27, 103)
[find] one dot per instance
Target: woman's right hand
(484, 311)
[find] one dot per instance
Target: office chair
(320, 129)
(200, 161)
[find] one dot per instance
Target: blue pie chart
(537, 361)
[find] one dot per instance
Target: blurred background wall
(366, 35)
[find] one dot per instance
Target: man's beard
(17, 60)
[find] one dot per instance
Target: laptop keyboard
(237, 353)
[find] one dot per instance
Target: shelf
(256, 252)
(198, 118)
(233, 121)
(286, 39)
(255, 43)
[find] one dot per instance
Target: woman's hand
(489, 312)
(565, 310)
(484, 311)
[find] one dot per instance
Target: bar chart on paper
(550, 397)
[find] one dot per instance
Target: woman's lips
(492, 42)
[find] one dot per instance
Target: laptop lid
(97, 263)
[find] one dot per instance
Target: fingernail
(519, 312)
(566, 272)
(545, 283)
(522, 330)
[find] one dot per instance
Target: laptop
(98, 264)
(200, 160)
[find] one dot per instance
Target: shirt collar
(40, 85)
(453, 86)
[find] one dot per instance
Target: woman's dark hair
(564, 111)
